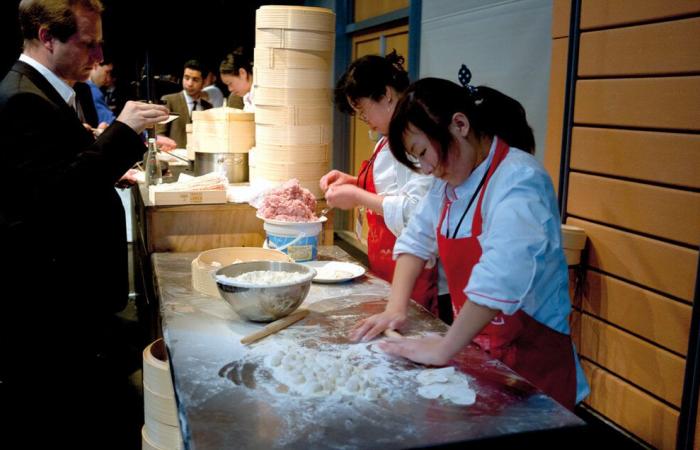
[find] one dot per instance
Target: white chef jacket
(522, 265)
(401, 187)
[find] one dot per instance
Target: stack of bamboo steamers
(292, 94)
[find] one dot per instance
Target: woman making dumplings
(493, 220)
(389, 192)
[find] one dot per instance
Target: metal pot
(234, 165)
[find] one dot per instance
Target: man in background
(184, 102)
(62, 372)
(101, 76)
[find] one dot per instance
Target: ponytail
(430, 103)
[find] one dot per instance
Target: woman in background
(387, 190)
(236, 72)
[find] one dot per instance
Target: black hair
(369, 76)
(194, 64)
(430, 103)
(236, 60)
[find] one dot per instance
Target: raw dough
(446, 383)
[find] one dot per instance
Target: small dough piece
(459, 394)
(431, 376)
(432, 391)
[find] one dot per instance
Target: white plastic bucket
(299, 240)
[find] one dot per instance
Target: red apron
(542, 355)
(380, 244)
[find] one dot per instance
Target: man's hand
(165, 144)
(139, 116)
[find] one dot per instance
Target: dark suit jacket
(176, 129)
(61, 222)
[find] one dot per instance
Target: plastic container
(299, 240)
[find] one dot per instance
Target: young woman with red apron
(537, 352)
(380, 243)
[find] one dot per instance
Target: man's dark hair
(58, 16)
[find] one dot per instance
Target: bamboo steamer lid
(292, 153)
(291, 78)
(156, 370)
(291, 58)
(161, 435)
(293, 135)
(295, 17)
(573, 238)
(208, 262)
(292, 114)
(298, 39)
(283, 97)
(291, 170)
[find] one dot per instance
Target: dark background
(170, 32)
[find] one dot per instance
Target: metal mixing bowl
(264, 303)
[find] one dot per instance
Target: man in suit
(184, 102)
(62, 233)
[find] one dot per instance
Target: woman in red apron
(497, 230)
(387, 190)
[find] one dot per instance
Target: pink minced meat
(289, 202)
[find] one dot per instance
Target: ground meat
(289, 202)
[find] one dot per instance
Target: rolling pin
(276, 326)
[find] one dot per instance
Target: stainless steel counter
(227, 399)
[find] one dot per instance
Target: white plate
(335, 271)
(287, 222)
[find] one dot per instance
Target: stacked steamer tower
(292, 94)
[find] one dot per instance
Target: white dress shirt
(64, 89)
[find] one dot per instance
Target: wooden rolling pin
(276, 326)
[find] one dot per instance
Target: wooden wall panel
(658, 48)
(561, 16)
(669, 103)
(651, 263)
(645, 313)
(603, 13)
(668, 213)
(631, 408)
(670, 158)
(366, 9)
(646, 365)
(555, 109)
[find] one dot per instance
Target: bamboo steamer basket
(292, 115)
(146, 441)
(291, 78)
(572, 237)
(161, 435)
(223, 130)
(297, 97)
(292, 153)
(295, 17)
(293, 135)
(297, 39)
(156, 371)
(290, 58)
(159, 407)
(208, 262)
(286, 171)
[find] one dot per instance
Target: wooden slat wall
(634, 186)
